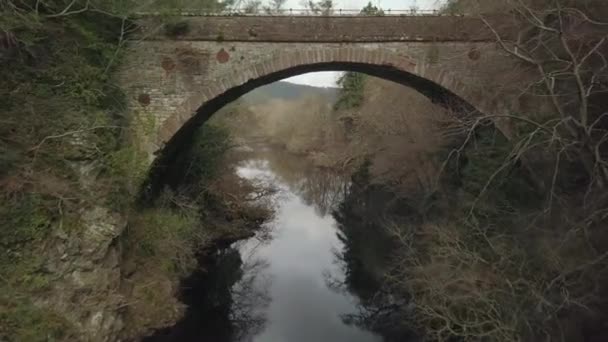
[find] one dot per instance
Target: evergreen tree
(351, 92)
(370, 9)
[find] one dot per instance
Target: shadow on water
(365, 257)
(316, 279)
(223, 303)
(319, 188)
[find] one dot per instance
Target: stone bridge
(178, 74)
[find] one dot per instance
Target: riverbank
(200, 207)
(279, 285)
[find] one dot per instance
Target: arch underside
(180, 127)
(439, 86)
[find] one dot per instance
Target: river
(284, 285)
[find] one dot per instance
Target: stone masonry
(178, 80)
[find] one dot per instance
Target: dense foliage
(351, 90)
(68, 146)
(59, 112)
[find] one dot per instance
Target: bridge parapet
(211, 12)
(326, 29)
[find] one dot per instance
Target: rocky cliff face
(86, 272)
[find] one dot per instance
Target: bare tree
(252, 6)
(567, 48)
(275, 7)
(322, 7)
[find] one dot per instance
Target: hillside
(288, 92)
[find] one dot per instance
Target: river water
(283, 285)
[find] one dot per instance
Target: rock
(100, 228)
(86, 268)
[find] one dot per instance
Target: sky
(329, 78)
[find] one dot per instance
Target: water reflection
(302, 307)
(277, 290)
(223, 304)
(365, 256)
(320, 188)
(250, 298)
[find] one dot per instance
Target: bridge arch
(440, 85)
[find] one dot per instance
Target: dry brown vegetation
(203, 205)
(503, 239)
(399, 143)
(341, 139)
(71, 167)
(299, 125)
(507, 255)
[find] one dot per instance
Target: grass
(159, 248)
(202, 202)
(22, 320)
(165, 237)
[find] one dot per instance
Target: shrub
(493, 263)
(166, 237)
(20, 320)
(351, 90)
